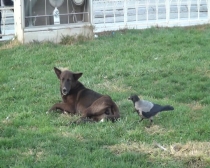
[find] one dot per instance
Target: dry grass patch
(70, 40)
(7, 121)
(198, 27)
(10, 118)
(108, 85)
(195, 111)
(204, 70)
(193, 153)
(194, 149)
(195, 106)
(38, 155)
(140, 147)
(156, 129)
(10, 44)
(72, 135)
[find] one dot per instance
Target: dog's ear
(57, 72)
(77, 75)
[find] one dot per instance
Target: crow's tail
(167, 108)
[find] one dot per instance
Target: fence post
(189, 10)
(19, 19)
(91, 12)
(208, 10)
(125, 13)
(156, 10)
(167, 11)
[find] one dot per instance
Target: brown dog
(77, 99)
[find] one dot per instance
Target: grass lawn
(163, 65)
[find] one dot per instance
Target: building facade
(50, 20)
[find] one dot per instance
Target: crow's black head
(134, 98)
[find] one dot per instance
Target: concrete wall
(55, 34)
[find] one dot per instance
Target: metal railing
(7, 23)
(110, 15)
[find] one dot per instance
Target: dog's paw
(102, 120)
(65, 112)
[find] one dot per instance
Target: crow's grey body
(144, 105)
(147, 109)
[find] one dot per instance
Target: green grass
(163, 65)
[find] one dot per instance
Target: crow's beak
(129, 98)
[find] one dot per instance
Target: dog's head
(67, 79)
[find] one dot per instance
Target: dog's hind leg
(114, 114)
(102, 108)
(98, 107)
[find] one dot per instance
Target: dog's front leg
(62, 107)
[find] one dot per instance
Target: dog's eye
(62, 79)
(68, 80)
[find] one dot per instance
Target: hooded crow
(147, 109)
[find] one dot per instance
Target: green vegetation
(163, 65)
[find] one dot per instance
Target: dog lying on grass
(77, 99)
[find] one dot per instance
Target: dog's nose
(64, 90)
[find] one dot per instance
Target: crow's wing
(156, 108)
(153, 111)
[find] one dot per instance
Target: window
(51, 12)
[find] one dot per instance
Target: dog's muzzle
(64, 91)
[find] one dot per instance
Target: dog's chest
(70, 101)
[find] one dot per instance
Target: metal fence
(110, 15)
(7, 23)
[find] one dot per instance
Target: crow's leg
(141, 119)
(151, 122)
